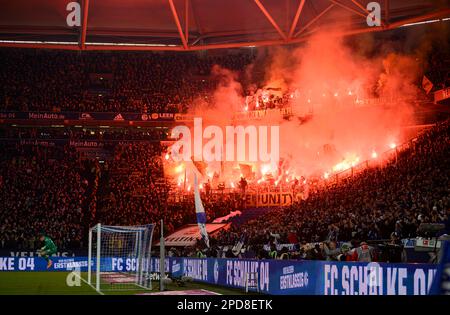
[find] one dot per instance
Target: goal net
(119, 257)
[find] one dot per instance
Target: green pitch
(37, 283)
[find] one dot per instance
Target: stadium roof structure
(189, 25)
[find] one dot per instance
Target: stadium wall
(274, 276)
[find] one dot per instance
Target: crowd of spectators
(383, 203)
(135, 191)
(41, 189)
(39, 80)
(59, 191)
(83, 133)
(438, 68)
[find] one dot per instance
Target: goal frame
(141, 261)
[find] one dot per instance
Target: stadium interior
(89, 105)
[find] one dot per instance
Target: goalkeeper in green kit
(48, 249)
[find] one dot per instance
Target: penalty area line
(208, 291)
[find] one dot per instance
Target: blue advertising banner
(100, 116)
(273, 276)
(112, 264)
(441, 284)
(93, 144)
(315, 277)
(341, 278)
(39, 264)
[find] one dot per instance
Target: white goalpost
(119, 257)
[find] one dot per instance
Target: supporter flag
(427, 85)
(200, 212)
(441, 282)
(200, 165)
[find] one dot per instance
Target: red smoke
(357, 107)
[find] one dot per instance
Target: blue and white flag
(200, 211)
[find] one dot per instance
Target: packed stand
(42, 189)
(384, 203)
(39, 80)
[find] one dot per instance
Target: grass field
(41, 283)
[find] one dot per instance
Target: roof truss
(298, 29)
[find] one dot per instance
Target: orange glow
(327, 133)
(179, 168)
(347, 163)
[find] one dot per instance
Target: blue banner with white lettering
(271, 276)
(39, 264)
(441, 284)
